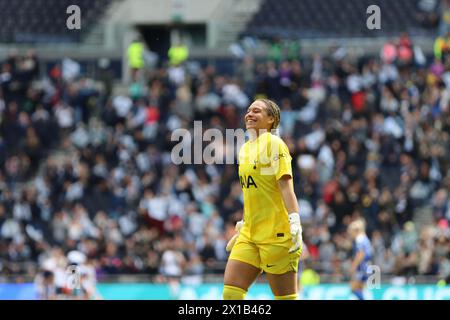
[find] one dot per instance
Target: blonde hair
(357, 226)
(273, 110)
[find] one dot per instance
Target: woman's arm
(286, 186)
(357, 261)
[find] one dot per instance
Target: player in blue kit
(362, 255)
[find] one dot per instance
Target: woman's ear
(272, 120)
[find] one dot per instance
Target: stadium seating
(333, 18)
(90, 169)
(44, 21)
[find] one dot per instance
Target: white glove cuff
(239, 225)
(294, 218)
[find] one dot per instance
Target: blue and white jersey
(362, 243)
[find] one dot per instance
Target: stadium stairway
(233, 16)
(97, 34)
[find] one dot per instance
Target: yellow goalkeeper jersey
(262, 162)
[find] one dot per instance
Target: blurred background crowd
(83, 170)
(86, 175)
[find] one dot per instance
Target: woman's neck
(255, 134)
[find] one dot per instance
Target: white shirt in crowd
(171, 263)
(64, 115)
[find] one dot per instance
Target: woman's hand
(232, 241)
(291, 204)
(296, 232)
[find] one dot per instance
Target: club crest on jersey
(247, 181)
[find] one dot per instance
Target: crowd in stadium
(85, 171)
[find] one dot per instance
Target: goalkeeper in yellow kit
(269, 238)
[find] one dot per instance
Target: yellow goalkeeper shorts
(270, 258)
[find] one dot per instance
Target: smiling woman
(263, 114)
(269, 238)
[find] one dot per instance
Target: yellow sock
(288, 297)
(233, 293)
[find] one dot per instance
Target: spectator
(135, 54)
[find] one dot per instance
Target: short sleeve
(281, 160)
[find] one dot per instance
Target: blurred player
(45, 285)
(362, 254)
(269, 238)
(87, 287)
